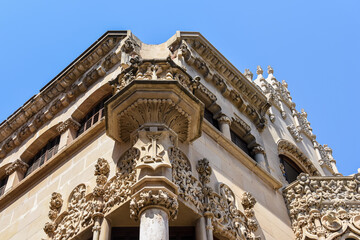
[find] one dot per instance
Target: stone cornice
(216, 69)
(59, 92)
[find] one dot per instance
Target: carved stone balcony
(324, 207)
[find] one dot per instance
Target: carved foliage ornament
(83, 209)
(78, 215)
(324, 207)
(150, 198)
(227, 219)
(190, 188)
(117, 189)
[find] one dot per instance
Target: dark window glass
(292, 171)
(132, 233)
(209, 116)
(93, 116)
(3, 182)
(239, 142)
(44, 154)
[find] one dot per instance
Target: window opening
(3, 183)
(47, 152)
(292, 171)
(93, 116)
(209, 116)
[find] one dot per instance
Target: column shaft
(105, 232)
(154, 224)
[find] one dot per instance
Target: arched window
(290, 169)
(93, 116)
(3, 182)
(44, 154)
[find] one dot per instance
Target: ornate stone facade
(179, 139)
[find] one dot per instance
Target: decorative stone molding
(62, 90)
(69, 123)
(17, 165)
(190, 188)
(324, 207)
(290, 150)
(294, 132)
(242, 124)
(162, 199)
(238, 89)
(153, 70)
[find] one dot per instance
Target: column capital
(69, 123)
(258, 149)
(224, 119)
(155, 198)
(17, 165)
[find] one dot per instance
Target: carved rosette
(17, 165)
(326, 207)
(156, 199)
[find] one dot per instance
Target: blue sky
(313, 45)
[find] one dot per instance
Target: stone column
(68, 131)
(16, 172)
(259, 155)
(200, 229)
(105, 231)
(225, 122)
(154, 224)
